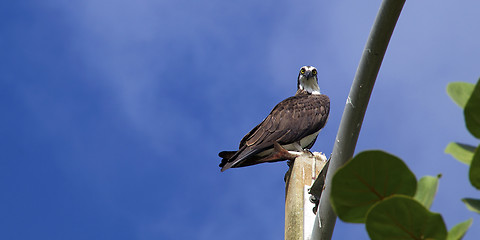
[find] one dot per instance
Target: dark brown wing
(291, 120)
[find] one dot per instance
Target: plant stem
(356, 106)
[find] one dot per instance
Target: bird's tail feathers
(232, 159)
(225, 155)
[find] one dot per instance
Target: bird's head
(307, 80)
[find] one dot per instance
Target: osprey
(293, 124)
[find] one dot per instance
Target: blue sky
(114, 111)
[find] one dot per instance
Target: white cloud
(137, 47)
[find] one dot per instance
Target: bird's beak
(309, 74)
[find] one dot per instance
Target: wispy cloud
(187, 78)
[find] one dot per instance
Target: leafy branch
(467, 96)
(377, 188)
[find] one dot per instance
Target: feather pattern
(290, 121)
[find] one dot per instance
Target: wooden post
(299, 215)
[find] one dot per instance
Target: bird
(292, 125)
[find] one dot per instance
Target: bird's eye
(302, 71)
(314, 71)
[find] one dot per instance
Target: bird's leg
(299, 148)
(308, 150)
(280, 153)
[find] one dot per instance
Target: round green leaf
(472, 112)
(459, 230)
(426, 190)
(401, 217)
(474, 172)
(368, 178)
(460, 92)
(472, 204)
(461, 152)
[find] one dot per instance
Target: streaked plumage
(294, 123)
